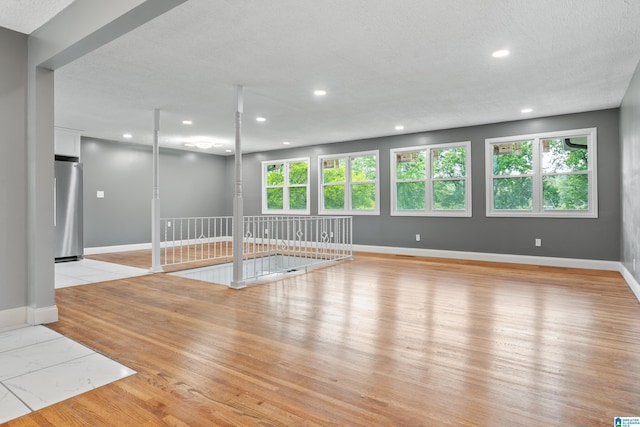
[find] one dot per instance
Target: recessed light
(217, 145)
(500, 53)
(399, 127)
(320, 92)
(286, 143)
(187, 122)
(189, 144)
(228, 151)
(526, 110)
(261, 119)
(127, 135)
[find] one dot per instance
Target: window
(431, 180)
(548, 175)
(349, 184)
(285, 186)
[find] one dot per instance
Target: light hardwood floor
(378, 341)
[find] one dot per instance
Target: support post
(237, 281)
(155, 201)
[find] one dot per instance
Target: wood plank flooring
(377, 341)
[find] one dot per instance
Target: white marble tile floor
(85, 271)
(40, 367)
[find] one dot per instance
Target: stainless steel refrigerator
(69, 243)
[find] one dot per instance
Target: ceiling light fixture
(204, 145)
(399, 127)
(526, 110)
(261, 119)
(286, 143)
(319, 92)
(500, 53)
(127, 135)
(228, 151)
(217, 145)
(189, 144)
(187, 122)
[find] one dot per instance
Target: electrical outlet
(331, 234)
(417, 237)
(266, 231)
(168, 224)
(538, 242)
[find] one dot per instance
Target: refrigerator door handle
(55, 202)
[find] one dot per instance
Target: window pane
(363, 196)
(448, 163)
(566, 192)
(298, 198)
(298, 173)
(333, 171)
(333, 196)
(448, 195)
(275, 174)
(513, 158)
(363, 169)
(513, 193)
(410, 195)
(410, 165)
(565, 154)
(274, 198)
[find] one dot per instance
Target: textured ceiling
(425, 64)
(25, 16)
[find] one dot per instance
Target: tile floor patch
(23, 337)
(87, 271)
(40, 367)
(28, 359)
(60, 382)
(10, 406)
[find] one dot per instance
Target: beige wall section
(85, 26)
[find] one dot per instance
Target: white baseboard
(631, 281)
(141, 246)
(19, 317)
(42, 315)
(480, 256)
(13, 318)
(119, 248)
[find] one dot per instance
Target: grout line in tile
(17, 397)
(56, 364)
(35, 343)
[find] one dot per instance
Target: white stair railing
(272, 244)
(187, 240)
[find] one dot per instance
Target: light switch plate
(100, 194)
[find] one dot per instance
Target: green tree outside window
(287, 185)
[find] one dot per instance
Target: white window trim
(263, 187)
(347, 191)
(428, 210)
(537, 209)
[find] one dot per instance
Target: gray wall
(570, 238)
(630, 141)
(191, 184)
(13, 164)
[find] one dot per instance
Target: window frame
(286, 210)
(538, 174)
(347, 157)
(429, 180)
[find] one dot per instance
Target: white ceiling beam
(87, 25)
